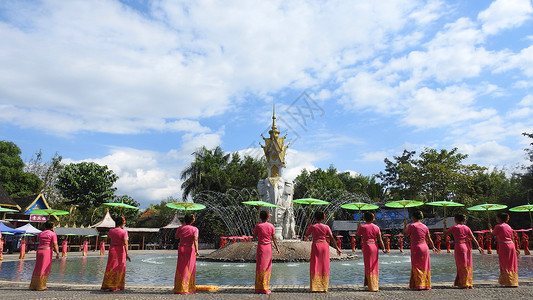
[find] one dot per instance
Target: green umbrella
(445, 204)
(259, 204)
(359, 206)
(310, 201)
(524, 208)
(7, 233)
(486, 207)
(404, 204)
(186, 206)
(103, 236)
(7, 209)
(49, 212)
(120, 204)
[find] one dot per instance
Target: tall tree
(47, 172)
(86, 185)
(527, 177)
(15, 181)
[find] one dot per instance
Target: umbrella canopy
(399, 234)
(310, 201)
(438, 232)
(404, 204)
(359, 206)
(523, 230)
(522, 208)
(120, 204)
(28, 228)
(259, 203)
(7, 233)
(186, 206)
(7, 209)
(487, 207)
(444, 203)
(49, 212)
(386, 234)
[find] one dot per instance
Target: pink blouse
(47, 238)
(117, 236)
(369, 232)
(264, 232)
(417, 232)
(186, 234)
(504, 233)
(319, 232)
(460, 232)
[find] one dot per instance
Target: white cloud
(491, 153)
(375, 156)
(505, 14)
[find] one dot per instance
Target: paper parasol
(7, 209)
(7, 233)
(399, 234)
(445, 204)
(259, 203)
(386, 234)
(486, 207)
(524, 208)
(523, 230)
(438, 232)
(404, 204)
(49, 212)
(186, 206)
(359, 206)
(310, 201)
(120, 204)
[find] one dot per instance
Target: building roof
(5, 200)
(175, 223)
(75, 231)
(29, 203)
(107, 222)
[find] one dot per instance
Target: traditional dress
(463, 256)
(102, 247)
(506, 255)
(488, 243)
(185, 279)
(369, 233)
(22, 249)
(448, 239)
(85, 248)
(263, 263)
(319, 270)
(400, 243)
(480, 240)
(64, 248)
(43, 261)
(115, 272)
(438, 240)
(525, 244)
(516, 240)
(339, 243)
(387, 243)
(352, 242)
(420, 265)
(1, 247)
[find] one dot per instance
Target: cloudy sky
(139, 85)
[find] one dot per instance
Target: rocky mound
(291, 250)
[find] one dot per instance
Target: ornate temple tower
(276, 189)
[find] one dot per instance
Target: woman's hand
(277, 252)
(128, 257)
(339, 252)
(436, 250)
(197, 254)
(480, 250)
(57, 255)
(385, 251)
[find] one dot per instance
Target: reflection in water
(160, 269)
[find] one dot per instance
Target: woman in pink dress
(370, 235)
(115, 272)
(506, 251)
(462, 252)
(43, 262)
(420, 264)
(102, 247)
(85, 248)
(185, 279)
(22, 248)
(319, 271)
(265, 234)
(1, 247)
(64, 248)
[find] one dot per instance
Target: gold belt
(44, 248)
(319, 242)
(368, 242)
(261, 243)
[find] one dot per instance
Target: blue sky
(139, 85)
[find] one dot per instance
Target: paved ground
(441, 290)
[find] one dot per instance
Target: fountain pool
(160, 269)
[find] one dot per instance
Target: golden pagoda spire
(274, 149)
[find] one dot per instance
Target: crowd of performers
(370, 234)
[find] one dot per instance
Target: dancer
(370, 235)
(438, 240)
(85, 247)
(516, 240)
(462, 252)
(488, 243)
(102, 247)
(448, 239)
(319, 270)
(420, 265)
(525, 243)
(480, 240)
(387, 243)
(43, 261)
(185, 279)
(64, 248)
(400, 243)
(352, 242)
(1, 247)
(22, 248)
(115, 272)
(506, 251)
(339, 242)
(265, 234)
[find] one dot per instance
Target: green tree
(15, 181)
(527, 177)
(86, 185)
(47, 172)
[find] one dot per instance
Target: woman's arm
(56, 250)
(196, 246)
(275, 243)
(475, 242)
(126, 249)
(336, 246)
(380, 241)
(430, 241)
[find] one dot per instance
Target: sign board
(38, 218)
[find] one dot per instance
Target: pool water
(160, 269)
